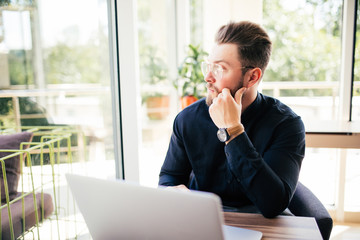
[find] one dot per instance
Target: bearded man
(237, 143)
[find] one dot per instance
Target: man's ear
(253, 76)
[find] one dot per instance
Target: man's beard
(211, 95)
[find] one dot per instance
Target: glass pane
(58, 68)
(159, 101)
(161, 93)
(356, 87)
(324, 183)
(55, 78)
(352, 195)
(196, 22)
(305, 64)
(321, 183)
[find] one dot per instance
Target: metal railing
(64, 90)
(52, 91)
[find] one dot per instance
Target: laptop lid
(115, 209)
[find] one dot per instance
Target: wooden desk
(281, 227)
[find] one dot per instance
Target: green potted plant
(154, 78)
(190, 78)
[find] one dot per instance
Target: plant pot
(187, 100)
(157, 107)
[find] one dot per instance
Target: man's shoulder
(280, 116)
(191, 116)
(278, 113)
(193, 110)
(275, 106)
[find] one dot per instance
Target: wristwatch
(224, 134)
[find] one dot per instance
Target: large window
(305, 73)
(55, 71)
(352, 199)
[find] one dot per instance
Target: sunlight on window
(159, 103)
(304, 68)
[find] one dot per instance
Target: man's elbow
(273, 210)
(163, 181)
(169, 180)
(271, 213)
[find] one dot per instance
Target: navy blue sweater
(260, 166)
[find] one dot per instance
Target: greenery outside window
(305, 65)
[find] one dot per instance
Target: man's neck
(248, 98)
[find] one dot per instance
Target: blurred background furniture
(23, 217)
(29, 180)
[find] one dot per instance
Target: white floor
(345, 232)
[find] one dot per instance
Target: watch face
(222, 135)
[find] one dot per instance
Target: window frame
(347, 59)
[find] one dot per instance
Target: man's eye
(218, 68)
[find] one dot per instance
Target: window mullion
(347, 59)
(128, 68)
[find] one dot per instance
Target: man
(237, 143)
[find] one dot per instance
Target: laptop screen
(119, 210)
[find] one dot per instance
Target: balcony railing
(52, 91)
(89, 90)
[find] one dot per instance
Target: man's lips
(210, 88)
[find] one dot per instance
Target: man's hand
(180, 187)
(225, 111)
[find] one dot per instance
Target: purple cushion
(30, 219)
(12, 165)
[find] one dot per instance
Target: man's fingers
(238, 94)
(215, 100)
(180, 187)
(225, 92)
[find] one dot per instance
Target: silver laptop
(115, 209)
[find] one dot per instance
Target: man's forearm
(264, 187)
(167, 179)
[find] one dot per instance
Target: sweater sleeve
(269, 179)
(176, 167)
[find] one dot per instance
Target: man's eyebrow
(222, 61)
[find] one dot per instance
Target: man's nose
(209, 77)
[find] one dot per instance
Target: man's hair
(253, 43)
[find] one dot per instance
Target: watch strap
(235, 130)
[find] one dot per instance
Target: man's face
(232, 78)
